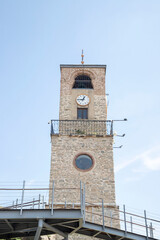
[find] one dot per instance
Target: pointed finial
(82, 55)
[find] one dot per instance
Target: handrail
(118, 219)
(10, 189)
(98, 213)
(76, 120)
(82, 127)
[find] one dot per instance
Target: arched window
(82, 81)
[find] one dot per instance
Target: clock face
(82, 100)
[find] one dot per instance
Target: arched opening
(83, 81)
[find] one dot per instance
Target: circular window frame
(85, 170)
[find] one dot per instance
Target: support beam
(65, 222)
(55, 230)
(80, 225)
(20, 231)
(108, 235)
(40, 214)
(8, 223)
(39, 229)
(27, 230)
(96, 234)
(63, 225)
(70, 221)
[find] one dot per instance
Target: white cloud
(150, 160)
(125, 164)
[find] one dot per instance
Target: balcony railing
(82, 127)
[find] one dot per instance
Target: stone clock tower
(82, 139)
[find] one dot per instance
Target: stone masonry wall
(99, 180)
(68, 107)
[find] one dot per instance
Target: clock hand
(80, 99)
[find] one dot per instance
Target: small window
(82, 113)
(83, 162)
(82, 81)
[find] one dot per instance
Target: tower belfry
(82, 138)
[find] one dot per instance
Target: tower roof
(82, 66)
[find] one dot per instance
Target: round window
(84, 162)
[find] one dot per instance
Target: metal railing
(82, 127)
(97, 212)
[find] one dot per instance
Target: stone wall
(99, 180)
(97, 109)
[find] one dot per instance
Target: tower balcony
(82, 127)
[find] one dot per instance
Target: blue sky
(36, 37)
